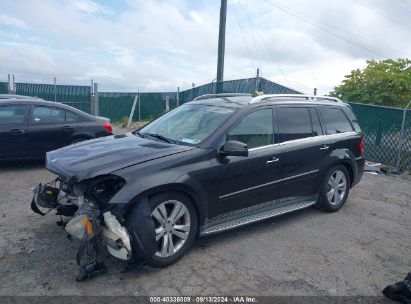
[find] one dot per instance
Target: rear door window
(294, 123)
(334, 120)
(43, 114)
(256, 129)
(71, 117)
(13, 114)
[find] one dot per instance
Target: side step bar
(255, 217)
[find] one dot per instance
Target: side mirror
(234, 148)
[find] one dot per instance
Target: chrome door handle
(324, 148)
(272, 160)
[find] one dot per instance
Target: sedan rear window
(48, 114)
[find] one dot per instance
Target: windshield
(189, 124)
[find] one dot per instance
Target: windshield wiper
(159, 136)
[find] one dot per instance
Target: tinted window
(255, 130)
(335, 120)
(71, 117)
(315, 122)
(293, 123)
(48, 114)
(12, 114)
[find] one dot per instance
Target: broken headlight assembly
(92, 222)
(104, 188)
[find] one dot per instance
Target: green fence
(72, 95)
(247, 85)
(4, 87)
(382, 129)
(117, 106)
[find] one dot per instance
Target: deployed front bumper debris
(129, 237)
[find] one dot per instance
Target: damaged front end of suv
(93, 220)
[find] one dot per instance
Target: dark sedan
(31, 127)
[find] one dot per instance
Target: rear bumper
(360, 162)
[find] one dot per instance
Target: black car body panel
(105, 155)
(27, 137)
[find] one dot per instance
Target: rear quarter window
(334, 120)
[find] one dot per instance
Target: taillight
(362, 145)
(108, 127)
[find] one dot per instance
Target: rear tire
(334, 189)
(176, 223)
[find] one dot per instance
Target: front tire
(176, 223)
(334, 190)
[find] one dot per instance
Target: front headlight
(105, 187)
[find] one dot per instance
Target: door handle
(324, 148)
(68, 128)
(272, 160)
(16, 131)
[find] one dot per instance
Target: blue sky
(159, 45)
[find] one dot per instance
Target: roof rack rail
(294, 96)
(209, 96)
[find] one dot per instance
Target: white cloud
(12, 21)
(164, 44)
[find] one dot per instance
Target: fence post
(96, 100)
(178, 97)
(139, 106)
(13, 87)
(397, 168)
(8, 86)
(167, 103)
(55, 89)
(130, 118)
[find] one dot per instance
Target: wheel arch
(199, 203)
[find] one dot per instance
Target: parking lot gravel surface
(356, 251)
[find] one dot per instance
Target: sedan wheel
(172, 227)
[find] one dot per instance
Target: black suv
(213, 164)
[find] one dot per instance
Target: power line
(288, 11)
(244, 40)
(262, 39)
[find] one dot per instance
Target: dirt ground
(356, 251)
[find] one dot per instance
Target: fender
(342, 156)
(160, 182)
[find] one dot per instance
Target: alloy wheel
(172, 227)
(336, 187)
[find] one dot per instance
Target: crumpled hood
(106, 155)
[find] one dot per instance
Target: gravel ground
(356, 251)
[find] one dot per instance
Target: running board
(247, 219)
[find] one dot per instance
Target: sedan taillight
(362, 145)
(108, 127)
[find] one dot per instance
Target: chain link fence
(4, 87)
(382, 130)
(72, 95)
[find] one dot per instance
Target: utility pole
(221, 47)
